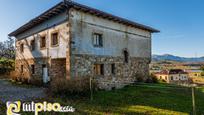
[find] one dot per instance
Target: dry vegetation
(73, 87)
(198, 80)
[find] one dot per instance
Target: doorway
(46, 78)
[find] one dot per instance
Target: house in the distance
(73, 40)
(173, 76)
(194, 73)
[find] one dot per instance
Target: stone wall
(27, 67)
(125, 73)
(57, 68)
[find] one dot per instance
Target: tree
(7, 49)
(7, 55)
(202, 68)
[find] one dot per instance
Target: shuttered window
(97, 40)
(54, 39)
(43, 42)
(99, 69)
(32, 45)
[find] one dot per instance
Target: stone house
(73, 40)
(173, 76)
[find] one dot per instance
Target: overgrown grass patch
(142, 99)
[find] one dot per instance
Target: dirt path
(10, 92)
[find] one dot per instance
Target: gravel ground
(10, 92)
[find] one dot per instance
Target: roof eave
(63, 5)
(34, 20)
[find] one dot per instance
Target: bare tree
(7, 49)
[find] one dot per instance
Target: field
(142, 99)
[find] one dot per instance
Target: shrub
(75, 87)
(14, 76)
(202, 74)
(149, 80)
(6, 65)
(36, 81)
(154, 79)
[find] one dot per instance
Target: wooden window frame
(98, 42)
(22, 47)
(41, 42)
(32, 45)
(99, 69)
(51, 43)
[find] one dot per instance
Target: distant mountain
(168, 57)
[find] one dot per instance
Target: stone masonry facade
(83, 66)
(72, 40)
(56, 67)
(125, 73)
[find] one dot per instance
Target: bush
(154, 79)
(6, 65)
(202, 74)
(75, 87)
(14, 76)
(36, 81)
(149, 80)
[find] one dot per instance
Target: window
(126, 56)
(97, 40)
(160, 77)
(113, 68)
(21, 68)
(196, 75)
(99, 69)
(22, 48)
(43, 42)
(172, 78)
(33, 69)
(54, 39)
(32, 44)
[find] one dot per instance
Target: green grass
(142, 99)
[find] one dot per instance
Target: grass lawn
(143, 99)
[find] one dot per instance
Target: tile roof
(63, 6)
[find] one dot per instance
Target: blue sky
(181, 21)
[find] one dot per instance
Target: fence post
(193, 100)
(91, 91)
